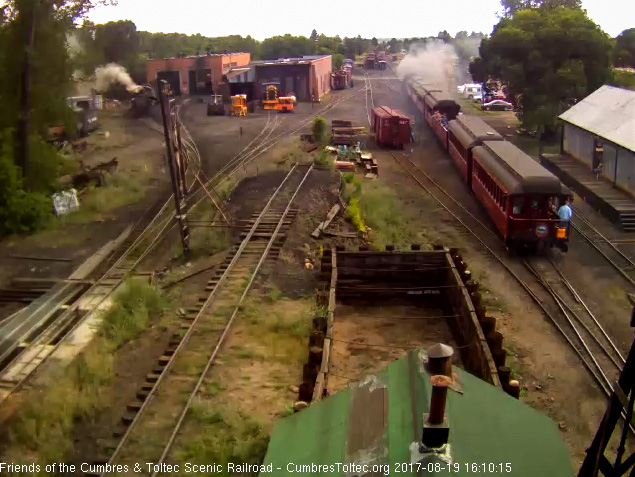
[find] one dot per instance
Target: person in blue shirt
(565, 213)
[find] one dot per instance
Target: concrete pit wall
(438, 278)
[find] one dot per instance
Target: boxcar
(390, 126)
(516, 192)
(465, 133)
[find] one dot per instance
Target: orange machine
(285, 104)
(239, 105)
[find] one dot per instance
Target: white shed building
(601, 129)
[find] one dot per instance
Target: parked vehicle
(497, 105)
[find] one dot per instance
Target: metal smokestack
(436, 431)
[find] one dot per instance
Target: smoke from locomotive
(113, 73)
(435, 62)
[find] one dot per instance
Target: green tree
(545, 59)
(624, 50)
(374, 42)
(337, 60)
(510, 7)
(314, 35)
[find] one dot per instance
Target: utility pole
(182, 159)
(169, 145)
(24, 123)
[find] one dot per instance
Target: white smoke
(434, 62)
(113, 73)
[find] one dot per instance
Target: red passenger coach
(465, 133)
(439, 108)
(390, 126)
(517, 193)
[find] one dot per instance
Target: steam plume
(113, 73)
(435, 62)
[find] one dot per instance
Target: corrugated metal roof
(379, 422)
(609, 113)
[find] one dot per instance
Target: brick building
(192, 74)
(307, 77)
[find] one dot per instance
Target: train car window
(534, 204)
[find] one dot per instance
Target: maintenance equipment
(271, 97)
(215, 106)
(285, 104)
(239, 105)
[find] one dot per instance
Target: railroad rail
(368, 88)
(491, 241)
(622, 263)
(150, 433)
(593, 345)
(263, 145)
(27, 341)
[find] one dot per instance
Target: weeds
(208, 240)
(323, 158)
(120, 189)
(221, 435)
(42, 429)
(354, 214)
(131, 312)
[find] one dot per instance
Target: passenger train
(520, 196)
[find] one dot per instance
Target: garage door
(173, 78)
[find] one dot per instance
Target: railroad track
(563, 312)
(622, 263)
(583, 330)
(156, 418)
(370, 101)
(27, 341)
(264, 144)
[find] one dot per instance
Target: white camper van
(473, 91)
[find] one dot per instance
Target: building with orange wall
(195, 74)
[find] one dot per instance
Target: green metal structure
(378, 423)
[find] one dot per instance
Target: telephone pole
(174, 173)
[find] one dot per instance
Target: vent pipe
(436, 431)
(440, 360)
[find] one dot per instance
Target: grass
(281, 327)
(207, 240)
(41, 431)
(120, 189)
(374, 208)
(221, 435)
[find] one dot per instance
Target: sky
(396, 18)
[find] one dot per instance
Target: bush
(319, 129)
(354, 214)
(20, 211)
(323, 158)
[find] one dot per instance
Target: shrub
(323, 158)
(354, 214)
(20, 211)
(319, 129)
